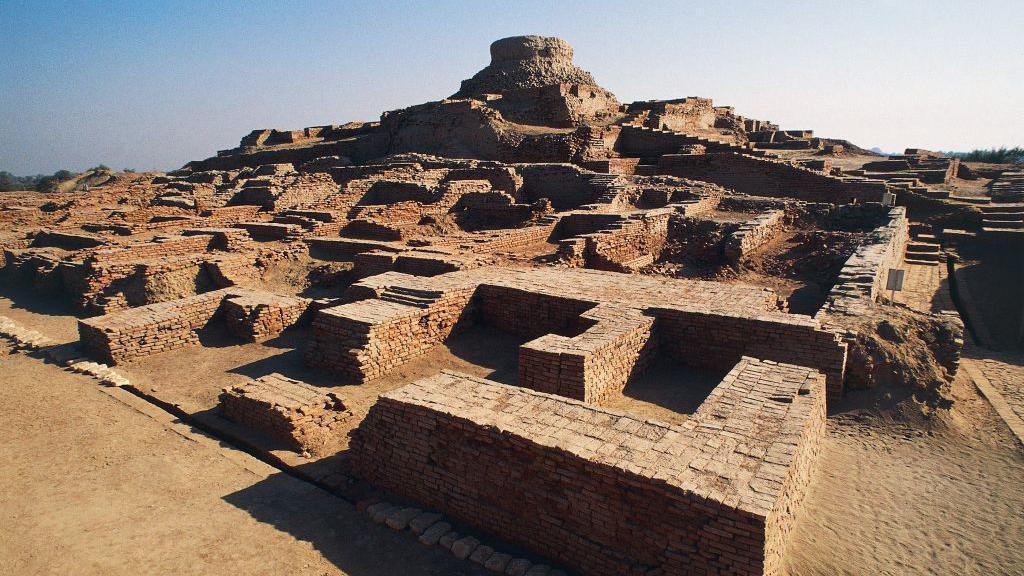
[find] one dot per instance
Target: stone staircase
(923, 250)
(410, 296)
(1002, 218)
(607, 187)
(1009, 187)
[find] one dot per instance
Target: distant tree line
(1002, 155)
(40, 182)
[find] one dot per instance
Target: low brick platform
(593, 330)
(260, 315)
(602, 491)
(303, 417)
(121, 336)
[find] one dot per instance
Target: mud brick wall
(753, 234)
(716, 340)
(601, 491)
(511, 240)
(300, 416)
(865, 273)
(260, 315)
(146, 330)
(530, 314)
(593, 365)
(769, 177)
(161, 247)
(229, 214)
(228, 239)
(635, 243)
(566, 185)
(369, 338)
(271, 230)
(697, 206)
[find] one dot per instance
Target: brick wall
(121, 336)
(601, 491)
(770, 177)
(367, 339)
(753, 234)
(865, 273)
(302, 417)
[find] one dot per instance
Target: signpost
(894, 282)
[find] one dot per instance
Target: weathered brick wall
(260, 315)
(593, 365)
(770, 177)
(565, 185)
(716, 340)
(147, 330)
(302, 417)
(166, 246)
(601, 491)
(153, 328)
(530, 314)
(367, 339)
(865, 273)
(753, 234)
(635, 243)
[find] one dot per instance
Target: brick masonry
(601, 491)
(121, 336)
(592, 330)
(302, 417)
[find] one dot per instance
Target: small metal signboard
(894, 282)
(895, 279)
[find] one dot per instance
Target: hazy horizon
(144, 85)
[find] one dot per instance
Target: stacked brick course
(121, 336)
(257, 316)
(623, 244)
(754, 234)
(601, 491)
(771, 177)
(303, 417)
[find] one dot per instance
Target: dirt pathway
(90, 486)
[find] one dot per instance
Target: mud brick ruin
(301, 416)
(715, 495)
(573, 244)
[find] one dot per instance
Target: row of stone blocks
(601, 491)
(155, 328)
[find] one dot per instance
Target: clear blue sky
(151, 85)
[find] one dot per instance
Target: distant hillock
(59, 181)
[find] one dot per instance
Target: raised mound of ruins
(545, 330)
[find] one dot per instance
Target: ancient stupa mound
(526, 62)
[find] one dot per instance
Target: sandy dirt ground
(90, 486)
(899, 499)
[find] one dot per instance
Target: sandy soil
(90, 486)
(902, 499)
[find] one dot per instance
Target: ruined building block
(593, 365)
(753, 234)
(149, 329)
(303, 417)
(115, 338)
(601, 491)
(256, 316)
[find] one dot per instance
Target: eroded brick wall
(770, 177)
(601, 491)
